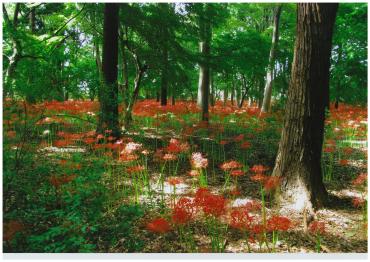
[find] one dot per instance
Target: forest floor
(233, 134)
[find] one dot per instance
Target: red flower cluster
(183, 211)
(240, 219)
(158, 225)
(230, 165)
(176, 147)
(278, 223)
(211, 204)
(259, 169)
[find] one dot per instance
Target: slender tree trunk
(270, 69)
(108, 119)
(205, 51)
(164, 76)
(298, 162)
(337, 87)
(125, 85)
(17, 50)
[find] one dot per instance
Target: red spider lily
(200, 195)
(194, 173)
(198, 161)
(343, 162)
(57, 181)
(348, 150)
(235, 192)
(240, 219)
(259, 178)
(134, 169)
(89, 140)
(245, 145)
(230, 165)
(271, 183)
(237, 172)
(11, 134)
(183, 211)
(329, 149)
(99, 136)
(174, 181)
(259, 169)
(211, 204)
(252, 206)
(258, 229)
(169, 157)
(11, 228)
(159, 225)
(128, 158)
(176, 147)
(223, 142)
(238, 138)
(62, 143)
(214, 205)
(278, 223)
(63, 162)
(358, 202)
(361, 179)
(317, 228)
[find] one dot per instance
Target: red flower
(361, 179)
(245, 145)
(240, 219)
(174, 181)
(278, 223)
(230, 165)
(258, 178)
(211, 204)
(271, 183)
(343, 162)
(358, 202)
(237, 172)
(258, 169)
(159, 225)
(239, 138)
(183, 211)
(134, 169)
(317, 228)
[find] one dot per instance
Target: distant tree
(298, 162)
(270, 69)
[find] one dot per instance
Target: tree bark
(108, 118)
(204, 70)
(270, 69)
(164, 76)
(298, 162)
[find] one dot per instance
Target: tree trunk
(205, 50)
(270, 69)
(164, 76)
(125, 85)
(108, 119)
(298, 162)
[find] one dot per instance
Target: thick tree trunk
(270, 69)
(298, 162)
(108, 119)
